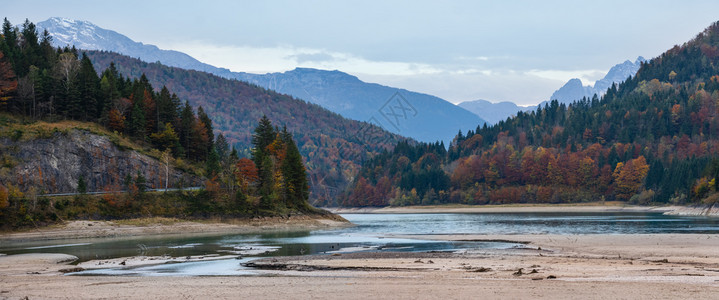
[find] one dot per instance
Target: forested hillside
(332, 146)
(652, 138)
(110, 132)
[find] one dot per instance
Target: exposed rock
(711, 210)
(54, 165)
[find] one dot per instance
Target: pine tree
(137, 121)
(88, 88)
(187, 119)
(264, 136)
(293, 169)
(202, 116)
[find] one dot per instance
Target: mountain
(649, 139)
(573, 90)
(419, 116)
(332, 145)
(493, 112)
(88, 36)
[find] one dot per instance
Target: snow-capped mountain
(574, 90)
(88, 36)
(420, 116)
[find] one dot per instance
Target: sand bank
(160, 226)
(656, 266)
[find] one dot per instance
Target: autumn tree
(8, 82)
(246, 174)
(165, 139)
(629, 177)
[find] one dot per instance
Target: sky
(519, 51)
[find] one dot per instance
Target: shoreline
(509, 208)
(162, 226)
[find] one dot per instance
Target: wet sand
(653, 266)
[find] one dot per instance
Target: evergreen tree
(222, 147)
(137, 121)
(293, 169)
(88, 88)
(187, 119)
(202, 116)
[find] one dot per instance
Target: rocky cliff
(55, 164)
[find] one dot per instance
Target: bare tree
(67, 67)
(166, 158)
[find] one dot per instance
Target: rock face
(54, 165)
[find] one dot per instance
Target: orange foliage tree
(246, 173)
(629, 177)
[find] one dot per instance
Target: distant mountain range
(572, 91)
(493, 112)
(419, 116)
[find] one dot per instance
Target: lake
(372, 233)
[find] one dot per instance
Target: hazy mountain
(420, 116)
(571, 91)
(333, 146)
(493, 112)
(574, 90)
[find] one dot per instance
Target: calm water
(372, 233)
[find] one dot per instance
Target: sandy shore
(655, 266)
(510, 208)
(160, 226)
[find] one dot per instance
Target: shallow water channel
(374, 232)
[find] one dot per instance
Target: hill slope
(651, 139)
(423, 117)
(333, 146)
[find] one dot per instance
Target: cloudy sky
(518, 51)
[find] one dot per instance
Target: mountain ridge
(430, 118)
(333, 146)
(572, 90)
(575, 90)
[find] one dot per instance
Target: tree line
(650, 139)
